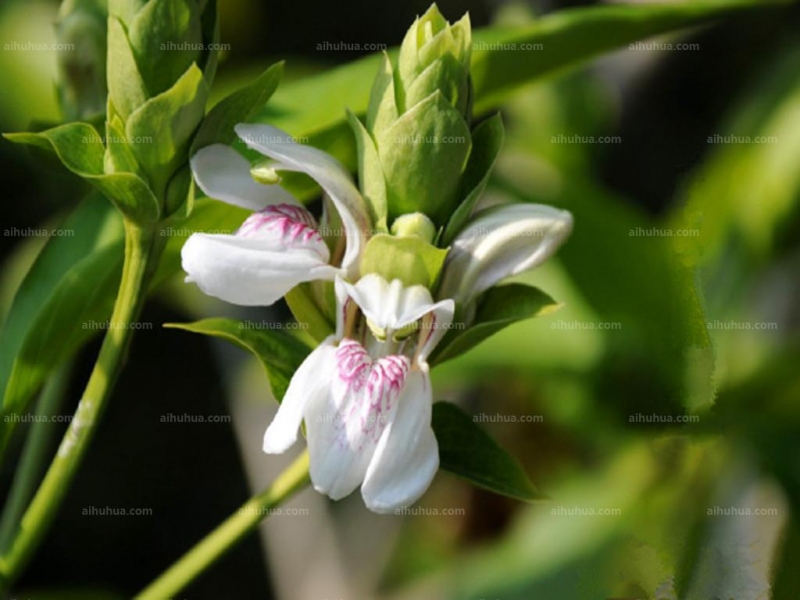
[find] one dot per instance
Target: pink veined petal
(286, 227)
(224, 174)
(407, 456)
(250, 271)
(310, 385)
(344, 430)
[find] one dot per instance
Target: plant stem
(142, 250)
(34, 454)
(229, 533)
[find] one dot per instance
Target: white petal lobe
(309, 385)
(249, 271)
(224, 174)
(390, 305)
(407, 456)
(501, 242)
(347, 426)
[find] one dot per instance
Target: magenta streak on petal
(293, 224)
(372, 387)
(429, 329)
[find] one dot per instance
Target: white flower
(279, 245)
(501, 242)
(365, 392)
(365, 395)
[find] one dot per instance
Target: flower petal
(407, 456)
(434, 327)
(224, 174)
(287, 227)
(250, 271)
(345, 426)
(309, 383)
(389, 305)
(501, 242)
(326, 171)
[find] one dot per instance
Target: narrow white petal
(250, 271)
(309, 385)
(501, 242)
(407, 456)
(345, 427)
(390, 305)
(224, 174)
(434, 327)
(325, 170)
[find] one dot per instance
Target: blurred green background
(657, 409)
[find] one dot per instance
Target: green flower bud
(435, 56)
(416, 140)
(165, 38)
(160, 66)
(415, 224)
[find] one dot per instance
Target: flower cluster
(365, 392)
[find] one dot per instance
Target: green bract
(410, 259)
(418, 123)
(160, 66)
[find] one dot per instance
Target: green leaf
(77, 145)
(159, 131)
(301, 301)
(238, 107)
(468, 451)
(505, 58)
(432, 141)
(500, 307)
(279, 353)
(80, 149)
(370, 173)
(70, 287)
(411, 259)
(487, 140)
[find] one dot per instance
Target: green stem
(34, 454)
(142, 249)
(229, 533)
